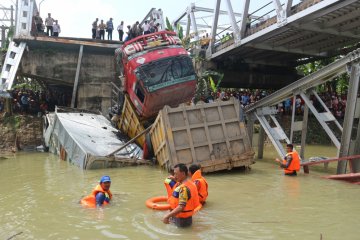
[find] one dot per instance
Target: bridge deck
(315, 29)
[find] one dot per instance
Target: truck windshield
(166, 72)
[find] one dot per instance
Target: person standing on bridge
(120, 29)
(109, 28)
(94, 28)
(291, 162)
(102, 27)
(56, 28)
(49, 22)
(38, 22)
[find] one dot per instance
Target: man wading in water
(291, 162)
(183, 200)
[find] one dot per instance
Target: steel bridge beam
(214, 28)
(349, 117)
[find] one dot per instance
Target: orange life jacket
(90, 200)
(202, 187)
(192, 202)
(295, 163)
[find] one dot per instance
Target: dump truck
(155, 74)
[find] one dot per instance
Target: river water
(40, 194)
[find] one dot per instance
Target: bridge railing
(268, 17)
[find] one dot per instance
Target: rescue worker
(291, 162)
(200, 182)
(183, 200)
(100, 196)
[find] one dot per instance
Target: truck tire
(149, 145)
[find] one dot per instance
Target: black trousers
(182, 222)
(121, 34)
(102, 34)
(93, 33)
(49, 29)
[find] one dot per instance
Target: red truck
(157, 71)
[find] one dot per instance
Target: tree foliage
(339, 85)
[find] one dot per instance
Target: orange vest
(90, 200)
(202, 187)
(192, 202)
(295, 163)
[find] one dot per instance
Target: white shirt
(120, 27)
(146, 27)
(56, 28)
(49, 21)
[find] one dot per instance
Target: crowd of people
(99, 29)
(52, 26)
(26, 101)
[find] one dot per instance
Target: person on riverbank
(199, 181)
(291, 162)
(183, 200)
(100, 196)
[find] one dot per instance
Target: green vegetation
(339, 85)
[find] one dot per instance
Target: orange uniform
(90, 200)
(294, 164)
(201, 184)
(185, 193)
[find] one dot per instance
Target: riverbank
(19, 132)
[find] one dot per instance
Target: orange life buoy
(153, 203)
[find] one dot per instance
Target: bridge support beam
(352, 101)
(245, 13)
(193, 20)
(280, 13)
(76, 83)
(232, 19)
(210, 49)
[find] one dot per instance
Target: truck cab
(157, 71)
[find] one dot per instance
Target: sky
(76, 16)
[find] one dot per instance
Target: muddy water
(40, 194)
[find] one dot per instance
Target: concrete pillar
(261, 142)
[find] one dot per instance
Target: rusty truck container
(209, 134)
(129, 122)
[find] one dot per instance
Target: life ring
(153, 203)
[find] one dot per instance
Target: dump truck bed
(208, 134)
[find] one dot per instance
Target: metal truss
(264, 110)
(333, 21)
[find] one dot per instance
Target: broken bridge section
(82, 67)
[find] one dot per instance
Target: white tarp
(85, 136)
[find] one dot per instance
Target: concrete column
(261, 142)
(76, 83)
